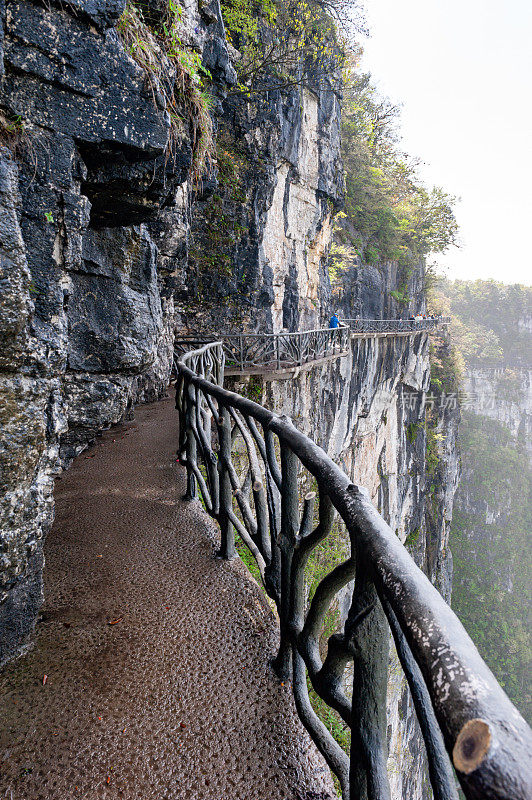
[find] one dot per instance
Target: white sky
(462, 70)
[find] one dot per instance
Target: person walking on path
(335, 322)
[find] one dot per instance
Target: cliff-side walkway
(149, 676)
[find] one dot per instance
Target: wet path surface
(176, 698)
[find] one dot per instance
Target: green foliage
(12, 129)
(475, 340)
(446, 365)
(412, 538)
(509, 386)
(391, 216)
(248, 560)
(486, 319)
(400, 295)
(253, 389)
(283, 43)
(492, 562)
(432, 453)
(176, 72)
(412, 431)
(323, 559)
(214, 250)
(333, 722)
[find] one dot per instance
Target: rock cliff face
(504, 394)
(106, 247)
(85, 317)
(490, 537)
(491, 528)
(259, 238)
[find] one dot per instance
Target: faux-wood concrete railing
(270, 352)
(276, 351)
(465, 717)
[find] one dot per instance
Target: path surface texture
(156, 654)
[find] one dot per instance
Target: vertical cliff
(377, 414)
(259, 239)
(490, 531)
(502, 392)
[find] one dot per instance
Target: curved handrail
(460, 706)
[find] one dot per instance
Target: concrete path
(155, 653)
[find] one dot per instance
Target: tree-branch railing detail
(465, 717)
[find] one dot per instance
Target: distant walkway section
(149, 677)
(397, 327)
(258, 353)
(284, 354)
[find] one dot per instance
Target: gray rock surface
(85, 325)
(105, 236)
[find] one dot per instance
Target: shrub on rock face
(175, 75)
(287, 43)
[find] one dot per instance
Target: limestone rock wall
(503, 394)
(86, 327)
(104, 241)
(259, 238)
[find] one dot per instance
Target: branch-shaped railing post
(441, 775)
(190, 443)
(367, 636)
(287, 540)
(241, 349)
(227, 549)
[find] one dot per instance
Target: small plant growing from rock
(12, 129)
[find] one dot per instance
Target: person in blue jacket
(335, 322)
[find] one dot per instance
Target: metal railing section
(464, 715)
(395, 325)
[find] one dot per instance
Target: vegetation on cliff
(491, 551)
(488, 319)
(493, 509)
(293, 42)
(174, 73)
(389, 214)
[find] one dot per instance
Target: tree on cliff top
(490, 319)
(389, 215)
(280, 43)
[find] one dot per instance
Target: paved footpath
(155, 653)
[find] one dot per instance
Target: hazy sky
(462, 70)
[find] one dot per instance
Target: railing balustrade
(246, 352)
(395, 325)
(277, 351)
(464, 715)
